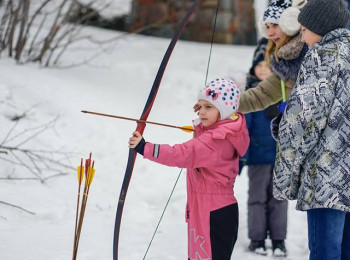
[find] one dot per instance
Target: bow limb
(141, 126)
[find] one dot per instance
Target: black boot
(279, 248)
(257, 247)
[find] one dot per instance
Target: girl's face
(262, 70)
(274, 32)
(309, 37)
(208, 113)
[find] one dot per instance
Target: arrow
(187, 129)
(80, 170)
(89, 175)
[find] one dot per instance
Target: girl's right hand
(196, 107)
(135, 139)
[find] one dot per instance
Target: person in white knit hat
(284, 54)
(211, 159)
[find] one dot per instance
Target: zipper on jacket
(187, 212)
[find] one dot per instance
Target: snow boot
(258, 247)
(279, 248)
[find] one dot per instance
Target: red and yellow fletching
(90, 176)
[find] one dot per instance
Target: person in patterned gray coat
(313, 149)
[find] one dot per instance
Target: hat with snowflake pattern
(275, 9)
(285, 14)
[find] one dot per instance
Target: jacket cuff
(140, 148)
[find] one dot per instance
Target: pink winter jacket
(211, 160)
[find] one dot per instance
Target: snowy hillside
(116, 82)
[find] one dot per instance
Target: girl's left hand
(135, 139)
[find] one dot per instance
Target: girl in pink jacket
(211, 159)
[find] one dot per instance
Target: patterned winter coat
(313, 157)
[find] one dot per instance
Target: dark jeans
(329, 234)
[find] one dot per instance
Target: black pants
(223, 231)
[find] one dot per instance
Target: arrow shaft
(136, 120)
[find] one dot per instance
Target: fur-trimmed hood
(290, 57)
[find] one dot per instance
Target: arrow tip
(83, 111)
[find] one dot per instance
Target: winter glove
(275, 125)
(141, 146)
(282, 106)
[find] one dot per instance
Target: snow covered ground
(117, 82)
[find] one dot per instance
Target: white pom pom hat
(282, 12)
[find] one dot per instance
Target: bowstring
(178, 177)
(212, 42)
(161, 217)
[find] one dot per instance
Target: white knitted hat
(282, 12)
(224, 94)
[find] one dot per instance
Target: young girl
(313, 158)
(211, 159)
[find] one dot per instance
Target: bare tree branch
(34, 42)
(14, 22)
(40, 128)
(27, 166)
(3, 28)
(9, 133)
(24, 34)
(35, 15)
(52, 32)
(17, 207)
(39, 162)
(21, 40)
(17, 179)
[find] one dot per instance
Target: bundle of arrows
(79, 216)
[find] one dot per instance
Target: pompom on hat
(324, 16)
(285, 14)
(224, 94)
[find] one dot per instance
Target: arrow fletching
(187, 128)
(90, 177)
(80, 171)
